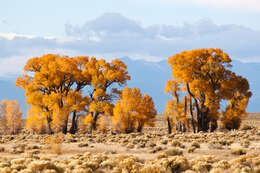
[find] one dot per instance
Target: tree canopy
(10, 116)
(58, 86)
(204, 76)
(133, 110)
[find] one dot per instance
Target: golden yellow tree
(203, 75)
(11, 116)
(132, 111)
(48, 83)
(105, 79)
(36, 123)
(59, 86)
(175, 109)
(236, 90)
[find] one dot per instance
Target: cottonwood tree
(59, 86)
(176, 109)
(10, 116)
(48, 83)
(204, 76)
(105, 80)
(133, 110)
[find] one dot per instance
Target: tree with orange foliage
(105, 79)
(58, 86)
(203, 75)
(175, 109)
(132, 111)
(238, 96)
(48, 83)
(11, 116)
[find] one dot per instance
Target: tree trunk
(214, 125)
(94, 124)
(205, 121)
(169, 125)
(199, 116)
(74, 123)
(192, 118)
(140, 127)
(65, 127)
(49, 125)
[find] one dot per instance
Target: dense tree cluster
(61, 89)
(203, 78)
(58, 86)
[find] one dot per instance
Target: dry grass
(151, 151)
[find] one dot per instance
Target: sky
(140, 29)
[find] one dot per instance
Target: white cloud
(11, 66)
(114, 36)
(11, 36)
(248, 5)
(240, 4)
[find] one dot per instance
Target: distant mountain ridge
(151, 77)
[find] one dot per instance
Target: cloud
(113, 36)
(244, 5)
(239, 4)
(163, 40)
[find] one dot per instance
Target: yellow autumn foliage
(54, 88)
(10, 117)
(133, 110)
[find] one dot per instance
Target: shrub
(191, 150)
(173, 152)
(246, 127)
(195, 144)
(175, 143)
(55, 143)
(238, 151)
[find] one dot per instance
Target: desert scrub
(203, 164)
(173, 152)
(17, 149)
(82, 145)
(247, 127)
(195, 144)
(176, 164)
(222, 164)
(33, 147)
(54, 143)
(191, 149)
(40, 165)
(176, 143)
(151, 144)
(164, 141)
(244, 162)
(225, 142)
(141, 145)
(238, 151)
(130, 146)
(155, 149)
(245, 143)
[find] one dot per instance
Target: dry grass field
(152, 151)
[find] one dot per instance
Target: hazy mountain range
(151, 77)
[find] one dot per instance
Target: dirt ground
(154, 143)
